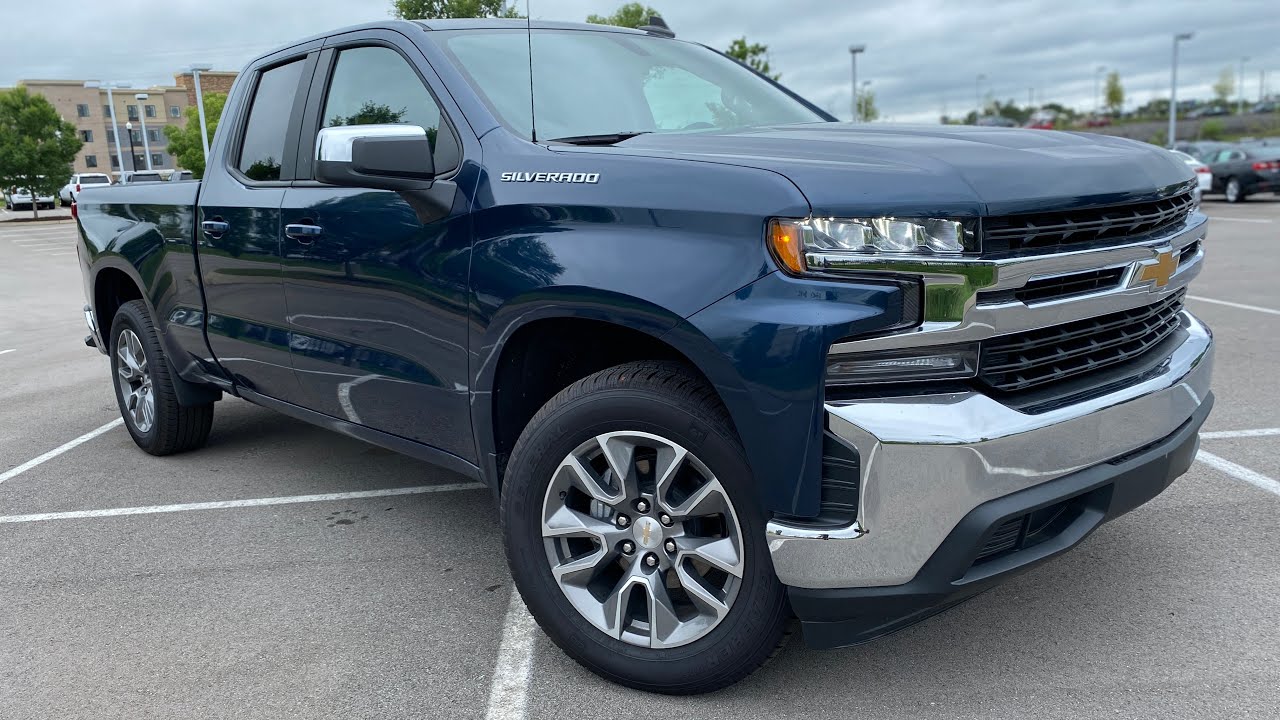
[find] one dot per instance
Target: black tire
(176, 427)
(1236, 196)
(665, 399)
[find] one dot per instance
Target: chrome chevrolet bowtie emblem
(1157, 271)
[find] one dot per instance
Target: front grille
(1074, 229)
(1039, 357)
(1069, 286)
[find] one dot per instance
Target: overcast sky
(922, 57)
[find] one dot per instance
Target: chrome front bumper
(927, 461)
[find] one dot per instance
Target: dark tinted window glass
(262, 149)
(376, 85)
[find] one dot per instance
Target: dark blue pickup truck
(725, 361)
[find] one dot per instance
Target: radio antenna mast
(528, 26)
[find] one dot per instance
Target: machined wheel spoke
(701, 596)
(709, 499)
(720, 553)
(574, 472)
(619, 452)
(670, 460)
(663, 621)
(614, 606)
(567, 522)
(579, 570)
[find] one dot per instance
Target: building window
(133, 112)
(82, 110)
(115, 162)
(139, 162)
(135, 136)
(106, 111)
(151, 111)
(91, 161)
(175, 111)
(111, 136)
(153, 136)
(86, 135)
(157, 159)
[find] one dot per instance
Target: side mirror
(384, 157)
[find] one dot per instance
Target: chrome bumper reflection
(929, 460)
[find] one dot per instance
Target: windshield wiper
(602, 139)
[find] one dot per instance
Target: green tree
(418, 9)
(867, 110)
(1226, 85)
(36, 146)
(631, 15)
(184, 142)
(754, 55)
(370, 113)
(1113, 95)
(1212, 130)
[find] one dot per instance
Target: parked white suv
(20, 199)
(69, 191)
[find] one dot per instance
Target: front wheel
(145, 392)
(1233, 191)
(634, 534)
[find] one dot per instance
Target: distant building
(87, 109)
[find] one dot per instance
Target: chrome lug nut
(670, 545)
(651, 560)
(665, 519)
(642, 506)
(628, 547)
(622, 520)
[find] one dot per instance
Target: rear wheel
(145, 393)
(1233, 191)
(634, 535)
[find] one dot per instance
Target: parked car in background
(20, 199)
(1240, 171)
(180, 175)
(1204, 176)
(996, 121)
(69, 191)
(1203, 150)
(140, 176)
(1269, 106)
(1098, 121)
(1209, 111)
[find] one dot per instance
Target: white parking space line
(1258, 221)
(15, 472)
(2, 352)
(509, 688)
(1240, 306)
(1239, 472)
(1260, 432)
(225, 504)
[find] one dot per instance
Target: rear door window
(262, 148)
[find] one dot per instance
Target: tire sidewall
(128, 317)
(750, 622)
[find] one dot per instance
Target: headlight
(797, 244)
(910, 365)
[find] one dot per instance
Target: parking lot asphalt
(367, 603)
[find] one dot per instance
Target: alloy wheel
(134, 381)
(1233, 190)
(642, 539)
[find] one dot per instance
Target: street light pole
(1173, 89)
(142, 117)
(853, 53)
(1240, 105)
(111, 108)
(133, 151)
(204, 128)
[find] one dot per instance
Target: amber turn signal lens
(787, 246)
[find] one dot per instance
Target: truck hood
(845, 169)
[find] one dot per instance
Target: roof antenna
(528, 27)
(657, 26)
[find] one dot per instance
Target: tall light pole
(853, 53)
(1240, 105)
(1097, 75)
(133, 151)
(1173, 89)
(142, 117)
(977, 94)
(111, 108)
(204, 128)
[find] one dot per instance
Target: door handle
(215, 228)
(303, 233)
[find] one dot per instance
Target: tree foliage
(36, 146)
(1113, 94)
(867, 110)
(419, 9)
(754, 55)
(631, 15)
(184, 142)
(1226, 85)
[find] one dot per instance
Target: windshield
(593, 83)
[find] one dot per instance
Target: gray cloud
(922, 56)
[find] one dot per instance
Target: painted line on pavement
(509, 688)
(1239, 472)
(15, 472)
(1261, 432)
(1240, 306)
(2, 352)
(225, 504)
(1259, 221)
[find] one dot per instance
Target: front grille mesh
(1072, 229)
(1039, 357)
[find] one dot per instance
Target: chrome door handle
(215, 228)
(303, 233)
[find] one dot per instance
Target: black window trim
(231, 158)
(319, 95)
